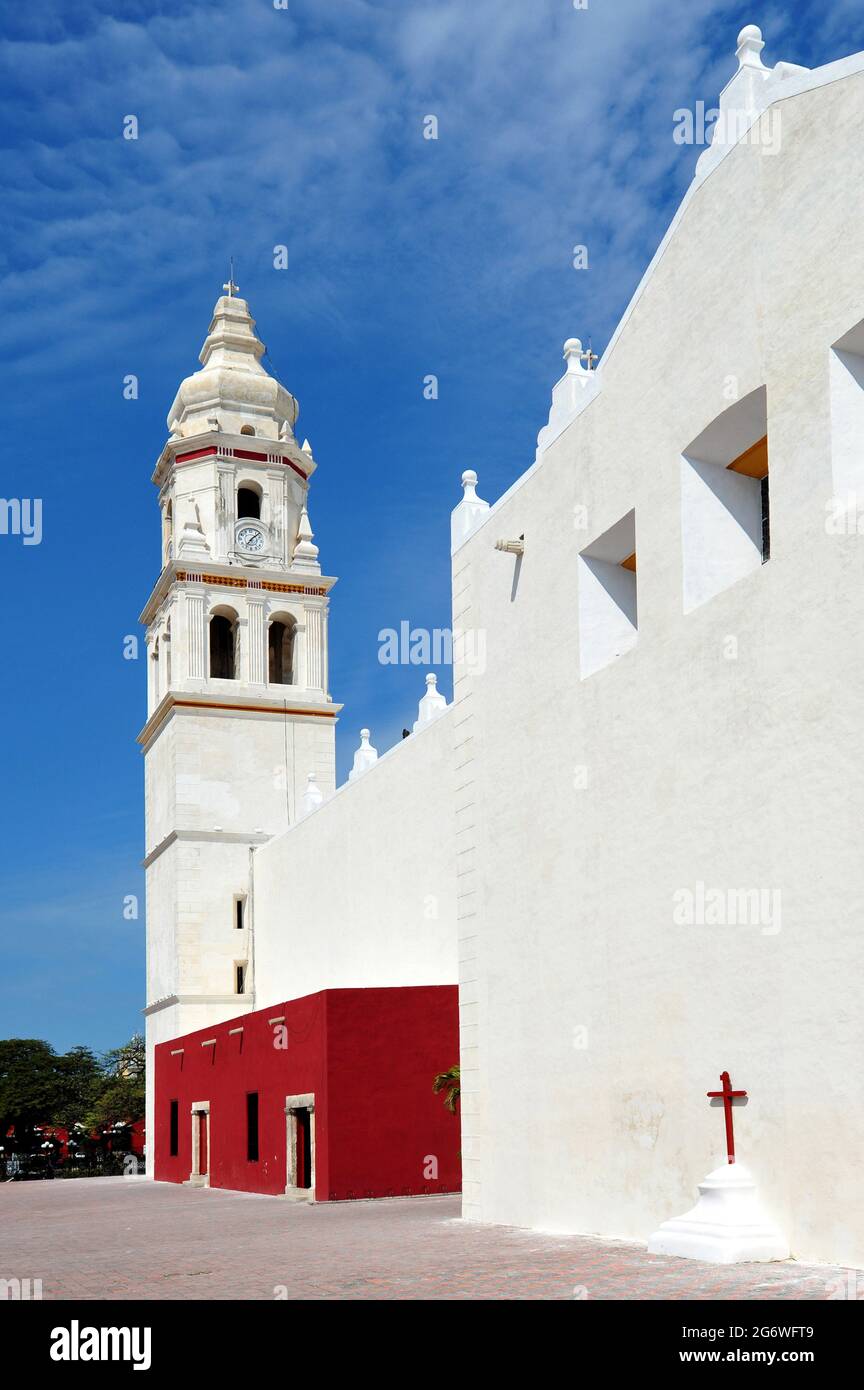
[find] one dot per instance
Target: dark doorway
(304, 1148)
(221, 648)
(203, 1155)
(280, 641)
(174, 1129)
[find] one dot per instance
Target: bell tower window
(248, 504)
(222, 647)
(280, 641)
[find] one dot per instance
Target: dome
(232, 387)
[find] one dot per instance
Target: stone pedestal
(727, 1225)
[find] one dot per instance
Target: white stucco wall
(724, 748)
(362, 892)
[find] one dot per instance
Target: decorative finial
(305, 556)
(750, 45)
(312, 796)
(306, 447)
(573, 352)
(365, 757)
(230, 288)
(432, 704)
(469, 511)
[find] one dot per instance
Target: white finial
(467, 514)
(312, 796)
(432, 704)
(365, 757)
(750, 45)
(573, 353)
(306, 447)
(305, 555)
(284, 430)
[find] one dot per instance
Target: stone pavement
(127, 1238)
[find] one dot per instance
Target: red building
(328, 1097)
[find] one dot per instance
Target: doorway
(300, 1147)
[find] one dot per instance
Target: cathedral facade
(637, 822)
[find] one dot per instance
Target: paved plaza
(127, 1238)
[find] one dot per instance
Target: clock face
(249, 538)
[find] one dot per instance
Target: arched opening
(248, 503)
(280, 645)
(222, 647)
(246, 429)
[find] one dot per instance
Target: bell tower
(238, 705)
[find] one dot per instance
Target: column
(196, 663)
(257, 641)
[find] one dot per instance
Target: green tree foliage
(29, 1084)
(38, 1086)
(449, 1081)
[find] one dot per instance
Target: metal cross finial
(589, 358)
(231, 289)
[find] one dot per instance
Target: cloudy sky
(300, 126)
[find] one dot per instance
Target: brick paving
(121, 1238)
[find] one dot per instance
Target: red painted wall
(368, 1055)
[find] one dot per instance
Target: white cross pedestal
(727, 1225)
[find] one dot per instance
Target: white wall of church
(362, 892)
(723, 749)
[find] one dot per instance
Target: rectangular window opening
(725, 519)
(174, 1129)
(239, 913)
(252, 1126)
(608, 624)
(240, 977)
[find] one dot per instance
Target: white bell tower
(238, 705)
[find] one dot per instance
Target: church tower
(238, 707)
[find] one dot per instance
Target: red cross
(728, 1096)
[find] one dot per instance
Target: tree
(79, 1081)
(450, 1082)
(29, 1086)
(121, 1096)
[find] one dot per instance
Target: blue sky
(300, 126)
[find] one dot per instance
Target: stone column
(257, 640)
(196, 635)
(315, 656)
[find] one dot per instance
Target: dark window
(766, 521)
(280, 639)
(248, 503)
(238, 914)
(252, 1126)
(174, 1129)
(241, 978)
(221, 648)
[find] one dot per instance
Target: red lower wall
(367, 1055)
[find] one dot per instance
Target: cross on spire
(589, 358)
(230, 288)
(728, 1097)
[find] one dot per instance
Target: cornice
(221, 574)
(241, 705)
(232, 448)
